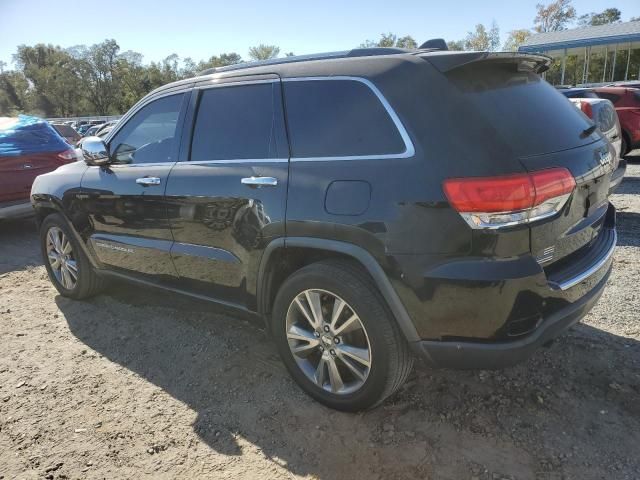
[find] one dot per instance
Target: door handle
(148, 181)
(27, 166)
(259, 181)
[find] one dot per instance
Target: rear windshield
(521, 108)
(612, 97)
(65, 130)
(579, 93)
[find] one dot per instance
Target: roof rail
(356, 52)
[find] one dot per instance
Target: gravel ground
(138, 383)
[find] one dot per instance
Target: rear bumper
(617, 175)
(475, 355)
(512, 306)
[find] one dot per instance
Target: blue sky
(199, 29)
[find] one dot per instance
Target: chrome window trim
(409, 147)
(207, 86)
(235, 160)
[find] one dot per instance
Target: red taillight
(586, 109)
(67, 156)
(552, 183)
(490, 194)
(492, 202)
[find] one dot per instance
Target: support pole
(564, 66)
(606, 57)
(626, 71)
(613, 65)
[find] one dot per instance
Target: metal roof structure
(583, 37)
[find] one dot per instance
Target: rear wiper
(588, 131)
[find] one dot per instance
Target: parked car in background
(105, 128)
(29, 147)
(626, 84)
(577, 92)
(603, 114)
(67, 132)
(91, 131)
(626, 101)
(83, 127)
(334, 197)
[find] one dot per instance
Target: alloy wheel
(61, 259)
(328, 341)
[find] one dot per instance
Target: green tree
(54, 75)
(263, 52)
(455, 45)
(98, 67)
(482, 39)
(391, 40)
(553, 17)
(516, 38)
(609, 15)
(14, 93)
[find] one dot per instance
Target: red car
(29, 147)
(627, 104)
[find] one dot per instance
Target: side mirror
(94, 151)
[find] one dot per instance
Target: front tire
(337, 337)
(68, 267)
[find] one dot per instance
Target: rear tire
(349, 361)
(624, 147)
(68, 267)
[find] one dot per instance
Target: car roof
(364, 62)
(620, 90)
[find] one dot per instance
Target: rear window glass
(65, 130)
(609, 96)
(520, 108)
(580, 94)
(239, 122)
(338, 118)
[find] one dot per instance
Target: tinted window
(609, 96)
(336, 118)
(519, 108)
(149, 136)
(239, 122)
(65, 130)
(579, 93)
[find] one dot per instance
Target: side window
(239, 122)
(338, 118)
(150, 135)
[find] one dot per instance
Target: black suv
(368, 205)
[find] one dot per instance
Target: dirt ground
(136, 383)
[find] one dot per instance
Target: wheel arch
(45, 205)
(281, 259)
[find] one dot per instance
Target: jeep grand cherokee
(370, 206)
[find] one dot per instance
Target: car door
(227, 195)
(124, 201)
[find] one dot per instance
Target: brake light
(586, 109)
(494, 202)
(68, 156)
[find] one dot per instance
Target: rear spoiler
(447, 61)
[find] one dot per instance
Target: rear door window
(339, 118)
(240, 122)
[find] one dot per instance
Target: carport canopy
(588, 55)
